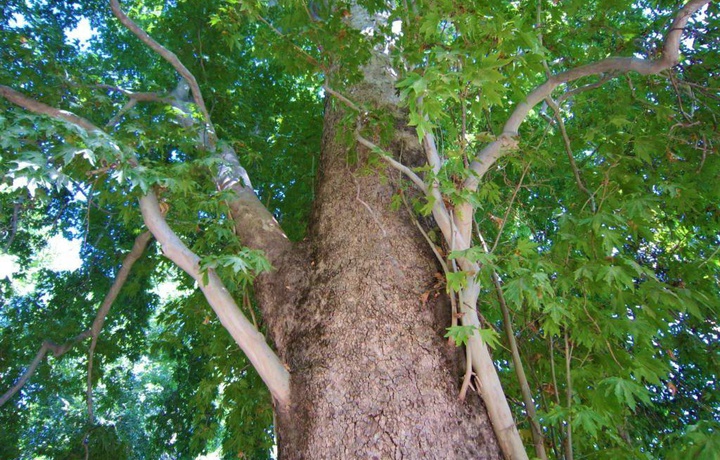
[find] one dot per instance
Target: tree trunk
(371, 375)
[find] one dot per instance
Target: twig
(13, 225)
(568, 392)
(705, 150)
(367, 206)
(374, 147)
(528, 402)
(711, 257)
(599, 331)
(574, 92)
(507, 212)
(440, 212)
(468, 373)
(138, 96)
(344, 100)
(710, 92)
(552, 370)
(440, 259)
(310, 59)
(125, 109)
(568, 151)
(673, 82)
(392, 162)
(248, 304)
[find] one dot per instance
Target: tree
(539, 169)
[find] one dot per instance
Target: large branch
(59, 350)
(255, 225)
(618, 65)
(248, 338)
(173, 60)
(252, 342)
(133, 99)
(38, 107)
(139, 96)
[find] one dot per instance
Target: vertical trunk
(371, 375)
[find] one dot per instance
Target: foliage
(605, 241)
(167, 379)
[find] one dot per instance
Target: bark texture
(371, 376)
(280, 291)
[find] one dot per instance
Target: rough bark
(371, 376)
(278, 292)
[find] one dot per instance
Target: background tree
(536, 177)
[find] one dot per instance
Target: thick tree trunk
(371, 376)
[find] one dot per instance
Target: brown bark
(278, 292)
(371, 376)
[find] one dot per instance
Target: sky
(83, 33)
(61, 254)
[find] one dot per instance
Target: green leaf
(456, 280)
(490, 337)
(460, 334)
(589, 421)
(627, 392)
(474, 254)
(615, 275)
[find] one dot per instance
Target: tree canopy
(570, 150)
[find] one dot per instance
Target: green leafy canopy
(598, 234)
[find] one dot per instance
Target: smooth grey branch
(172, 59)
(615, 65)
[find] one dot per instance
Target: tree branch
(138, 96)
(568, 394)
(491, 389)
(344, 100)
(619, 65)
(568, 150)
(133, 99)
(304, 53)
(125, 109)
(392, 162)
(173, 60)
(440, 211)
(509, 209)
(537, 434)
(247, 337)
(255, 225)
(43, 109)
(137, 250)
(59, 350)
(372, 146)
(431, 152)
(574, 92)
(252, 342)
(13, 224)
